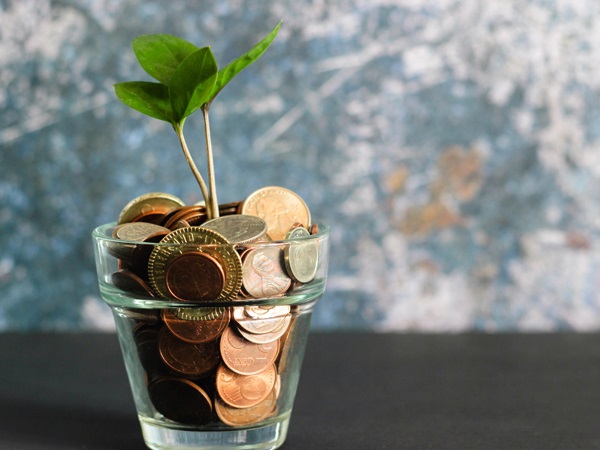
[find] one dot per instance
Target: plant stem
(179, 130)
(214, 205)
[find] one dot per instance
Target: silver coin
(266, 311)
(301, 257)
(139, 231)
(271, 336)
(257, 326)
(238, 228)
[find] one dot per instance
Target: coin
(245, 357)
(257, 326)
(270, 336)
(239, 228)
(138, 262)
(314, 229)
(129, 282)
(140, 316)
(226, 209)
(186, 358)
(180, 224)
(266, 311)
(263, 275)
(153, 202)
(245, 416)
(180, 400)
(195, 239)
(244, 391)
(194, 215)
(301, 256)
(277, 206)
(202, 313)
(146, 340)
(196, 331)
(195, 277)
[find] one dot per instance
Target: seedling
(188, 80)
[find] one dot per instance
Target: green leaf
(227, 73)
(160, 54)
(146, 97)
(192, 82)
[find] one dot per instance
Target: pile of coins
(218, 364)
(222, 369)
(214, 260)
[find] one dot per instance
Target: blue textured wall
(452, 145)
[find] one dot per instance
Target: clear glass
(185, 394)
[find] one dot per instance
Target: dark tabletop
(357, 391)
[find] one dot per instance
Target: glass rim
(100, 233)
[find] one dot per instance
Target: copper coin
(180, 224)
(168, 216)
(121, 250)
(263, 274)
(140, 256)
(152, 217)
(314, 229)
(196, 331)
(229, 208)
(244, 391)
(146, 340)
(180, 400)
(153, 202)
(186, 358)
(129, 282)
(245, 416)
(279, 207)
(194, 215)
(245, 357)
(195, 277)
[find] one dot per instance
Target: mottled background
(453, 145)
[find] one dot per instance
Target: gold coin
(244, 391)
(151, 203)
(196, 239)
(301, 256)
(198, 313)
(279, 207)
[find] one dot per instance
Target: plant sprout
(188, 79)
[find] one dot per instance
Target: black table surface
(357, 391)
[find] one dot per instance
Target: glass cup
(213, 363)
